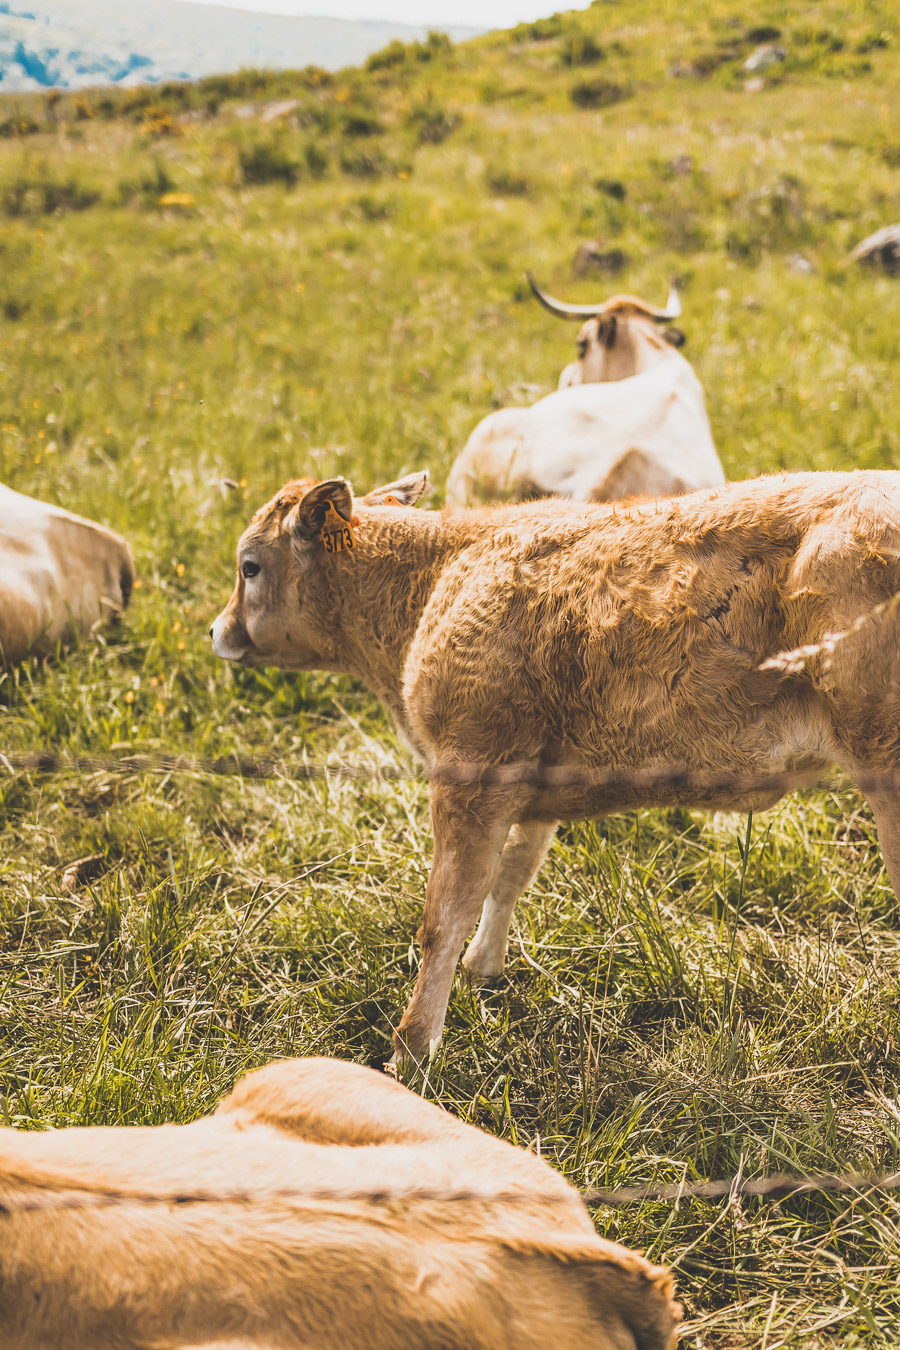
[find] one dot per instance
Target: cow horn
(673, 305)
(558, 308)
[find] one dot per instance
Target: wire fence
(666, 779)
(732, 1188)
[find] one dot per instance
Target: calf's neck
(555, 660)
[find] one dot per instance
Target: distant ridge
(67, 44)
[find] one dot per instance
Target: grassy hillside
(188, 292)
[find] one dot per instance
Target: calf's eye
(250, 569)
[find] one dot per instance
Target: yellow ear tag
(337, 533)
(391, 500)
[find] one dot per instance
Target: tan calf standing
(567, 648)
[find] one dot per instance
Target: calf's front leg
(526, 848)
(470, 830)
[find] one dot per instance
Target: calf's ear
(308, 516)
(404, 492)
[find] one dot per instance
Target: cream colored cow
(60, 575)
(628, 419)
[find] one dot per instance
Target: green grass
(186, 294)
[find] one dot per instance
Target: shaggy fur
(59, 575)
(574, 640)
(373, 1266)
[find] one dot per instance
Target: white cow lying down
(628, 418)
(411, 1231)
(646, 435)
(59, 575)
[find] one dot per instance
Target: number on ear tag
(337, 533)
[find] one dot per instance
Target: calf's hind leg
(470, 830)
(526, 848)
(886, 810)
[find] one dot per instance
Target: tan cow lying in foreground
(60, 575)
(541, 656)
(360, 1218)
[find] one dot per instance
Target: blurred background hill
(72, 43)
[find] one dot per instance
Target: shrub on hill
(579, 48)
(541, 30)
(361, 122)
(597, 93)
(436, 45)
(370, 164)
(267, 160)
(431, 121)
(873, 42)
(20, 124)
(317, 159)
(505, 181)
(398, 54)
(388, 58)
(41, 192)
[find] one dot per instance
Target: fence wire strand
(663, 779)
(732, 1188)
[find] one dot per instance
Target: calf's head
(290, 560)
(616, 336)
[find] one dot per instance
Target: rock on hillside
(70, 43)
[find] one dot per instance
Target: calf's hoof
(485, 969)
(412, 1050)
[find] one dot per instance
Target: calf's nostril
(210, 632)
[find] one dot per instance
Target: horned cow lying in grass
(574, 652)
(628, 419)
(409, 1230)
